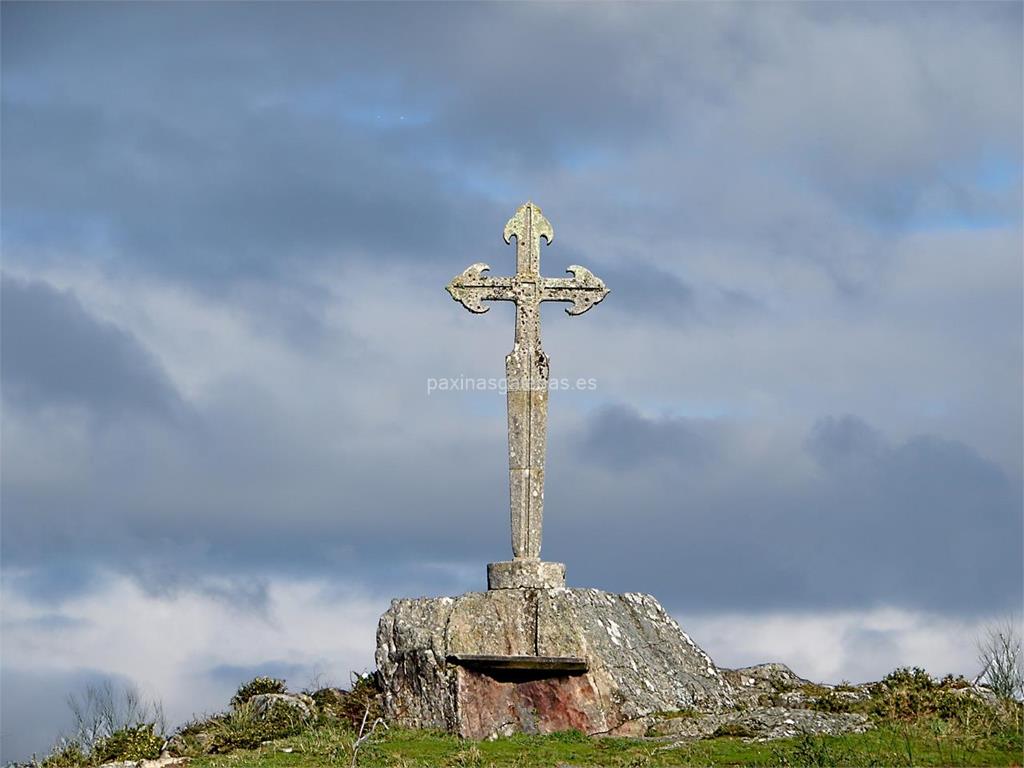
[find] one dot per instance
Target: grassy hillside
(909, 744)
(915, 720)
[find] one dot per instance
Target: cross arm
(473, 287)
(584, 289)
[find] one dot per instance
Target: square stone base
(525, 574)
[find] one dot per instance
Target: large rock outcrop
(538, 661)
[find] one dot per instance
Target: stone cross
(526, 367)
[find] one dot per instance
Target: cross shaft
(526, 366)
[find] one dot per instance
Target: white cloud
(172, 645)
(857, 646)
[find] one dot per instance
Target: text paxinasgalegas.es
(502, 384)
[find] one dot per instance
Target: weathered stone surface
(776, 685)
(771, 684)
(981, 693)
(771, 676)
(783, 723)
(164, 761)
(526, 367)
(772, 702)
(761, 723)
(525, 574)
(638, 662)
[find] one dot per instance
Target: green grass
(919, 721)
(930, 743)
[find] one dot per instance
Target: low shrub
(69, 755)
(813, 689)
(351, 706)
(905, 694)
(833, 702)
(738, 730)
(245, 729)
(255, 687)
(910, 694)
(138, 742)
(242, 728)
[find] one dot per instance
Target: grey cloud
(56, 353)
(248, 170)
(61, 578)
(50, 622)
(619, 438)
(835, 442)
(279, 140)
(923, 523)
(649, 293)
(677, 507)
(221, 501)
(160, 574)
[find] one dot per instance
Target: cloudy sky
(227, 229)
